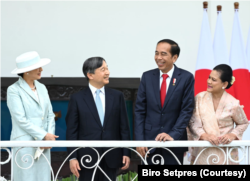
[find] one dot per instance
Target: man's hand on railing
(163, 137)
(126, 161)
(214, 140)
(142, 151)
(46, 147)
(51, 137)
(74, 167)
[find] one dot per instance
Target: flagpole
(247, 132)
(205, 5)
(236, 5)
(205, 59)
(238, 62)
(219, 8)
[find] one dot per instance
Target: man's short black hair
(175, 49)
(91, 64)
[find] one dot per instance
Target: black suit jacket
(151, 119)
(83, 123)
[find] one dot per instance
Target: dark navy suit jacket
(151, 119)
(83, 123)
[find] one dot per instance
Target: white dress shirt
(170, 74)
(36, 94)
(102, 95)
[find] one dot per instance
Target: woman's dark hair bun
(226, 73)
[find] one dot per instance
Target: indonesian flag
(220, 46)
(205, 60)
(238, 61)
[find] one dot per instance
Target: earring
(27, 73)
(223, 87)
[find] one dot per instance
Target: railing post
(245, 155)
(248, 155)
(227, 156)
(11, 164)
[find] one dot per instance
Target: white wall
(124, 33)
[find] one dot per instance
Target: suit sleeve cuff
(40, 136)
(175, 136)
(126, 152)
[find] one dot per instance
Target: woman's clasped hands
(49, 137)
(214, 140)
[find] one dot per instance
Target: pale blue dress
(32, 119)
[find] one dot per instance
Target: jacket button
(42, 118)
(35, 138)
(103, 130)
(162, 127)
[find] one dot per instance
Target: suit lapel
(156, 86)
(40, 94)
(89, 99)
(27, 89)
(172, 87)
(108, 105)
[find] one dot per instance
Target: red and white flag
(246, 134)
(205, 60)
(220, 46)
(238, 62)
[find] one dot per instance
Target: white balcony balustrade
(244, 146)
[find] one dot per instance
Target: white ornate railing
(244, 146)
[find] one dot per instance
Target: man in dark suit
(165, 103)
(97, 113)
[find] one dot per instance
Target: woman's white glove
(38, 153)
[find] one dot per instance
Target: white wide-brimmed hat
(29, 61)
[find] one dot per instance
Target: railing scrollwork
(242, 145)
(9, 156)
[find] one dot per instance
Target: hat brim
(41, 63)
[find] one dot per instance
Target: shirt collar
(170, 72)
(93, 89)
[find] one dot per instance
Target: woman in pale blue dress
(32, 119)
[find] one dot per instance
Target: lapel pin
(174, 81)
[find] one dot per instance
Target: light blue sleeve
(17, 112)
(51, 119)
